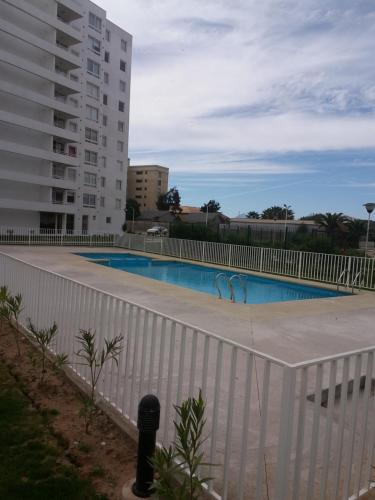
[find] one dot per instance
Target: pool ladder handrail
(339, 279)
(229, 281)
(358, 275)
(226, 278)
(240, 277)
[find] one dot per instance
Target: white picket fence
(275, 430)
(303, 265)
(53, 237)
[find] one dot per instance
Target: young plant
(10, 310)
(95, 359)
(177, 467)
(44, 339)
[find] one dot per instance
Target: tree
(333, 223)
(356, 228)
(253, 215)
(277, 213)
(212, 206)
(170, 200)
(132, 206)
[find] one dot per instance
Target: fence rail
(54, 237)
(303, 265)
(275, 430)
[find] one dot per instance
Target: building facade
(146, 183)
(64, 116)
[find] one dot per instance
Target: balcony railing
(65, 153)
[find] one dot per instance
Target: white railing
(275, 430)
(54, 237)
(303, 265)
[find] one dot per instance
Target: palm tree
(333, 223)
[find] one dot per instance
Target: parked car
(157, 231)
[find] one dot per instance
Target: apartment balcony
(32, 152)
(59, 104)
(62, 81)
(65, 57)
(69, 10)
(37, 206)
(66, 32)
(9, 174)
(35, 125)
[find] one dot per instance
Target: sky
(255, 103)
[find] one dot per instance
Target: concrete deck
(292, 331)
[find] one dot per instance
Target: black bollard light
(148, 424)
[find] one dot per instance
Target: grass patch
(32, 464)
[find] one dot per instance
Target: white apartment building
(64, 116)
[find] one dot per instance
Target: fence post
(348, 273)
(203, 251)
(230, 256)
(285, 432)
(161, 246)
(130, 242)
(261, 259)
(180, 249)
(300, 265)
(144, 243)
(29, 237)
(61, 238)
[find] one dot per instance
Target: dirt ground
(106, 456)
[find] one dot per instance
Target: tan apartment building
(146, 183)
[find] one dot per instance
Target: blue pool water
(201, 278)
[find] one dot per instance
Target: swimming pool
(259, 290)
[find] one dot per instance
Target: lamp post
(286, 208)
(370, 208)
(207, 215)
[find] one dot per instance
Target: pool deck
(292, 331)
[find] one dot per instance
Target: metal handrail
(344, 273)
(240, 277)
(358, 275)
(217, 277)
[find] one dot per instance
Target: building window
(95, 22)
(92, 90)
(106, 78)
(138, 181)
(124, 45)
(120, 165)
(159, 182)
(118, 204)
(122, 86)
(93, 68)
(120, 146)
(102, 182)
(106, 56)
(118, 184)
(139, 172)
(104, 141)
(102, 201)
(104, 161)
(94, 44)
(73, 126)
(91, 158)
(89, 200)
(121, 106)
(91, 135)
(70, 197)
(138, 189)
(89, 179)
(105, 99)
(122, 65)
(58, 172)
(138, 197)
(71, 173)
(108, 220)
(73, 102)
(105, 120)
(108, 35)
(120, 126)
(92, 113)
